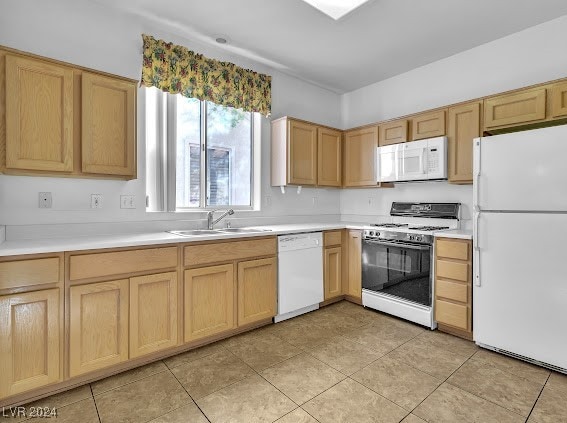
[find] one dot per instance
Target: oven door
(398, 269)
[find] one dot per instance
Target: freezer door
(522, 171)
(521, 303)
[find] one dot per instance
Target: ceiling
(381, 39)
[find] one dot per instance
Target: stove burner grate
(389, 225)
(428, 228)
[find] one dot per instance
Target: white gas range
(397, 259)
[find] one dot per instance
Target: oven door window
(400, 270)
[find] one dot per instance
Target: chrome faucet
(211, 222)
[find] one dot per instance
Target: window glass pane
(229, 155)
(188, 181)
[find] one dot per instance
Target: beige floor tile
(142, 400)
(516, 367)
(456, 345)
(64, 398)
(412, 418)
(381, 338)
(397, 382)
(208, 374)
(192, 355)
(302, 377)
(449, 404)
(359, 313)
(248, 401)
(189, 413)
(302, 334)
(129, 376)
(349, 402)
(263, 351)
(431, 359)
(83, 411)
(551, 407)
(297, 416)
(330, 319)
(344, 354)
(557, 381)
(502, 388)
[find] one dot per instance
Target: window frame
(164, 185)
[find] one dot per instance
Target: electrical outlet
(268, 200)
(314, 200)
(45, 201)
(96, 201)
(127, 202)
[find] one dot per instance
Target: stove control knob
(417, 238)
(410, 237)
(372, 233)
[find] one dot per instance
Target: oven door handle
(400, 244)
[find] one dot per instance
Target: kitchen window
(200, 155)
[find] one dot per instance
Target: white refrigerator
(520, 244)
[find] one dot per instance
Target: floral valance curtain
(176, 69)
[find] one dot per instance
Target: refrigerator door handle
(476, 173)
(476, 250)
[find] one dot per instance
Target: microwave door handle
(400, 245)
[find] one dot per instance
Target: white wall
(528, 57)
(86, 34)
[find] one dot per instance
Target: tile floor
(338, 364)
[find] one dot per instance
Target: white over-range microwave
(422, 160)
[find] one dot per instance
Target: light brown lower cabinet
(256, 290)
(153, 313)
(209, 301)
(332, 272)
(98, 324)
(354, 283)
(453, 286)
(30, 334)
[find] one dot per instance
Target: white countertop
(38, 246)
(457, 233)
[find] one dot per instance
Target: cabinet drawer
(452, 270)
(455, 315)
(29, 272)
(331, 238)
(122, 262)
(512, 109)
(428, 125)
(453, 248)
(195, 255)
(451, 290)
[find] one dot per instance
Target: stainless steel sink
(195, 232)
(243, 230)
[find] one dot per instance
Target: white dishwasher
(300, 274)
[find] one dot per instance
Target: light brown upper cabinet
(305, 154)
(58, 119)
(428, 125)
(522, 107)
(394, 132)
(463, 127)
(329, 157)
(360, 157)
(559, 100)
(39, 115)
(108, 126)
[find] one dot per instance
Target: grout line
(190, 396)
(128, 383)
(94, 400)
(538, 397)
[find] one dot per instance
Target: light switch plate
(45, 200)
(96, 201)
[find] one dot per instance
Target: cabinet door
(39, 115)
(354, 287)
(332, 272)
(515, 109)
(302, 153)
(428, 125)
(256, 290)
(153, 313)
(108, 126)
(30, 334)
(209, 301)
(360, 157)
(464, 126)
(394, 132)
(329, 157)
(559, 100)
(98, 324)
